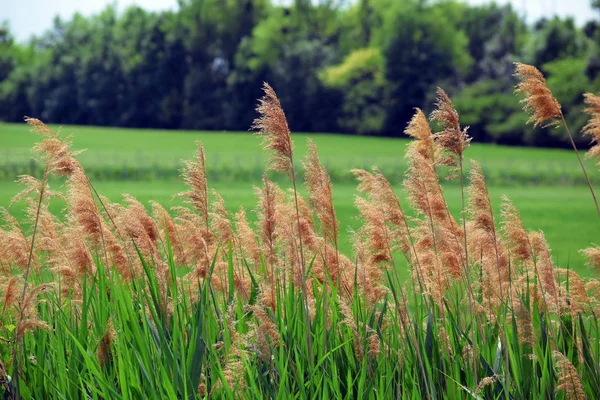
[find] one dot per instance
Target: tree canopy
(355, 67)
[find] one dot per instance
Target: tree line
(338, 66)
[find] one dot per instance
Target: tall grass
(111, 301)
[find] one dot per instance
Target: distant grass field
(116, 153)
(564, 211)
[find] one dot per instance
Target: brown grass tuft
(538, 100)
(418, 128)
(592, 128)
(321, 197)
(452, 139)
(593, 256)
(272, 124)
(568, 378)
(268, 198)
(10, 289)
(104, 353)
(194, 176)
(28, 319)
(55, 152)
(246, 239)
(514, 231)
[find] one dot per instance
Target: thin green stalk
(587, 178)
(19, 342)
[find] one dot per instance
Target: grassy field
(562, 207)
(117, 153)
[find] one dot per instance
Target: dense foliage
(354, 67)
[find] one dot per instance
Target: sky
(33, 17)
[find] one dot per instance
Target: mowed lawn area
(544, 184)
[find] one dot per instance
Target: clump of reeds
(112, 300)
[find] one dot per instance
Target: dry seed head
(422, 185)
(15, 246)
(568, 378)
(525, 331)
(418, 128)
(220, 223)
(453, 140)
(366, 180)
(104, 351)
(383, 192)
(375, 230)
(265, 334)
(10, 290)
(545, 266)
(77, 253)
(36, 186)
(117, 254)
(374, 344)
(592, 254)
(480, 205)
(167, 226)
(194, 176)
(273, 126)
(321, 198)
(246, 238)
(138, 212)
(538, 100)
(573, 288)
(268, 198)
(82, 206)
(485, 382)
(592, 128)
(136, 225)
(514, 232)
(56, 152)
(28, 318)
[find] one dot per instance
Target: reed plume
(197, 242)
(452, 139)
(265, 335)
(220, 223)
(538, 100)
(572, 291)
(525, 330)
(418, 128)
(592, 254)
(485, 239)
(246, 238)
(514, 231)
(543, 107)
(28, 319)
(272, 125)
(10, 289)
(568, 378)
(168, 228)
(55, 151)
(104, 352)
(592, 128)
(545, 269)
(83, 208)
(194, 176)
(268, 197)
(16, 248)
(318, 184)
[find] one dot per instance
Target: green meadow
(545, 184)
